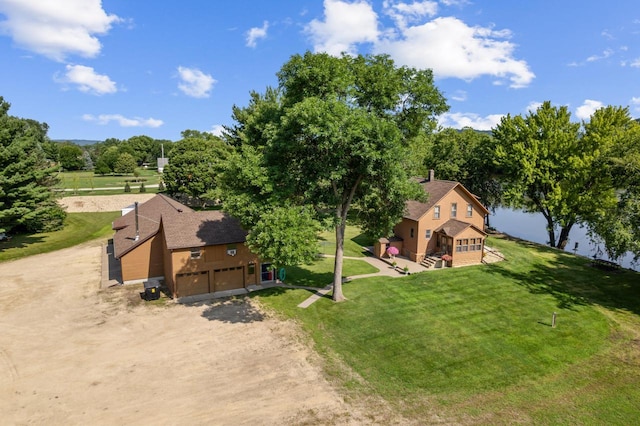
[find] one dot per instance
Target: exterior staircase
(429, 262)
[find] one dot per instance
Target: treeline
(111, 156)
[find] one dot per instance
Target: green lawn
(354, 240)
(320, 273)
(475, 345)
(79, 228)
(86, 179)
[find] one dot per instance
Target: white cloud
(405, 13)
(447, 45)
(217, 129)
(123, 121)
(345, 25)
(605, 54)
(635, 63)
(453, 49)
(195, 83)
(584, 111)
(256, 33)
(459, 95)
(56, 29)
(460, 120)
(88, 80)
(635, 102)
(533, 106)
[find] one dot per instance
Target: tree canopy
(27, 200)
(335, 134)
(196, 162)
(548, 164)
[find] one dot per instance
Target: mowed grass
(354, 241)
(88, 180)
(475, 345)
(79, 228)
(320, 272)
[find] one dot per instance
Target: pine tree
(27, 200)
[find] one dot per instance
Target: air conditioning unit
(232, 252)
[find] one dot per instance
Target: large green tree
(196, 161)
(125, 163)
(618, 227)
(550, 165)
(70, 156)
(336, 134)
(27, 201)
(465, 156)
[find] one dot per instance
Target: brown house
(194, 252)
(451, 223)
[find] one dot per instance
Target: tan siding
(216, 258)
(419, 245)
(144, 261)
(467, 257)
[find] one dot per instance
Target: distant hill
(77, 141)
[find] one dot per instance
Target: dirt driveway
(70, 354)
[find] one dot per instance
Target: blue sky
(96, 69)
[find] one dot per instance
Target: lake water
(533, 227)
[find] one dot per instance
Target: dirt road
(70, 354)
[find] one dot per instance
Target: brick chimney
(432, 175)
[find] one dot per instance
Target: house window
(469, 210)
(476, 244)
(454, 209)
(196, 253)
(232, 249)
(462, 245)
(436, 212)
(251, 269)
(411, 232)
(427, 234)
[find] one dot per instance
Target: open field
(71, 183)
(475, 345)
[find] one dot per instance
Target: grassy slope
(79, 228)
(475, 344)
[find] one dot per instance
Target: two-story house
(450, 222)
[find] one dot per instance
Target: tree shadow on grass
(233, 311)
(573, 281)
(19, 242)
(301, 276)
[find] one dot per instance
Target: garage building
(193, 252)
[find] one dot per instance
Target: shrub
(142, 188)
(127, 187)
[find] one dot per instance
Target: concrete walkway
(384, 269)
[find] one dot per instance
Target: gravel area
(101, 203)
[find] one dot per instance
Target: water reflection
(533, 227)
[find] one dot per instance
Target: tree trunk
(564, 236)
(337, 266)
(552, 233)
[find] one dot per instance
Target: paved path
(384, 269)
